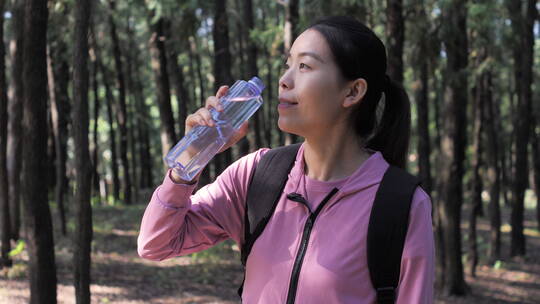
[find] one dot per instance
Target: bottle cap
(257, 84)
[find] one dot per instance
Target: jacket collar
(369, 173)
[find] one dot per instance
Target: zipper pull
(297, 197)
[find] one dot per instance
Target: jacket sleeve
(418, 259)
(177, 223)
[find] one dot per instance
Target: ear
(355, 92)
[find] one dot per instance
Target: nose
(285, 81)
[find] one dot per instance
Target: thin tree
(395, 31)
(421, 63)
(58, 70)
(222, 66)
(4, 192)
(523, 60)
(291, 24)
(252, 69)
(493, 175)
(39, 234)
(109, 101)
(122, 107)
(83, 170)
(159, 66)
(480, 92)
(16, 100)
(453, 143)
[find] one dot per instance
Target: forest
(94, 93)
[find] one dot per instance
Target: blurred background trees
(470, 68)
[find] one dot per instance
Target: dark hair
(359, 53)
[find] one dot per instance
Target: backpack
(387, 227)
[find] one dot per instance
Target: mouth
(285, 103)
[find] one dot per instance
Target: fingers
(213, 101)
(203, 117)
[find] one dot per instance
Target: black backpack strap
(264, 191)
(387, 230)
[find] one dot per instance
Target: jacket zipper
(293, 285)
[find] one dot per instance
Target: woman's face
(311, 89)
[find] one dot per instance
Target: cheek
(320, 98)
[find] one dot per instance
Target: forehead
(311, 41)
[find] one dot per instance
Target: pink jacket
(334, 269)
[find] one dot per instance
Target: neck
(333, 156)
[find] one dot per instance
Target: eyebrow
(310, 54)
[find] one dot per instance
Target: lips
(283, 102)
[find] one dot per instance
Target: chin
(289, 127)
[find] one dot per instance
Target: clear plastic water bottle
(193, 152)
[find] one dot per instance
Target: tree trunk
(422, 99)
(4, 192)
(194, 56)
(291, 32)
(222, 66)
(477, 164)
(454, 142)
(536, 161)
(493, 175)
(159, 66)
(523, 60)
(112, 132)
(59, 126)
(83, 170)
(395, 29)
(177, 76)
(94, 151)
(122, 111)
(14, 153)
(143, 129)
(39, 239)
(252, 69)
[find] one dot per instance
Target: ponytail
(392, 132)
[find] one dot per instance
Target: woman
(329, 94)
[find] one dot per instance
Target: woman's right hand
(203, 117)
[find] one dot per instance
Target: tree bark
(222, 66)
(4, 192)
(395, 29)
(480, 96)
(493, 175)
(454, 142)
(291, 32)
(94, 151)
(83, 170)
(535, 143)
(177, 76)
(40, 242)
(523, 60)
(59, 110)
(252, 69)
(14, 153)
(122, 109)
(159, 66)
(421, 62)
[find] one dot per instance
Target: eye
(285, 65)
(303, 65)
